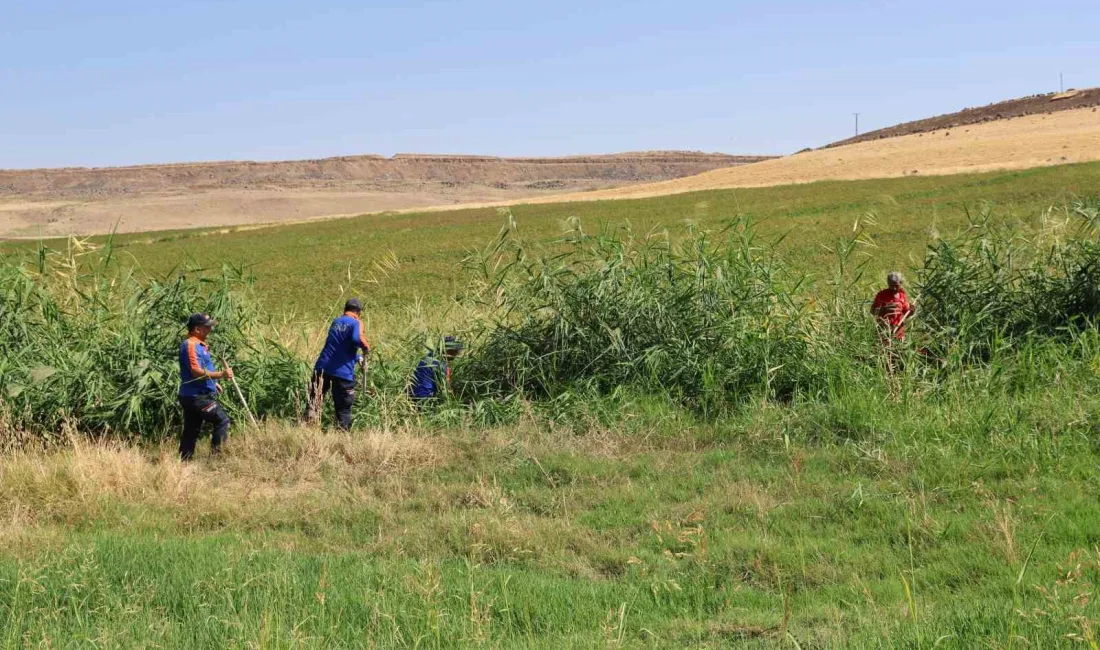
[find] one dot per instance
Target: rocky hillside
(369, 171)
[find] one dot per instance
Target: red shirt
(892, 306)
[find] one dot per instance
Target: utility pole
(1061, 83)
(857, 122)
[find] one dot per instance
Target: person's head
(452, 347)
(199, 326)
(353, 306)
(894, 279)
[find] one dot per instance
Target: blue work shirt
(429, 374)
(345, 338)
(195, 362)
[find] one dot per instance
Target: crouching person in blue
(335, 367)
(198, 389)
(432, 377)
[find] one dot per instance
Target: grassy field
(917, 510)
(861, 523)
(397, 261)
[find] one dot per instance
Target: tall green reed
(713, 319)
(580, 327)
(88, 342)
(706, 318)
(998, 284)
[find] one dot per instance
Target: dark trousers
(196, 410)
(343, 396)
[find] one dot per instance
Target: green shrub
(84, 342)
(997, 285)
(708, 318)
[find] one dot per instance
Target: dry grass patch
(268, 470)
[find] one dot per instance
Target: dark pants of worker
(343, 396)
(196, 410)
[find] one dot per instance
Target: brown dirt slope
(53, 202)
(1022, 107)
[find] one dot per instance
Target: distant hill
(373, 171)
(1033, 105)
(51, 202)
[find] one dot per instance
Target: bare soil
(51, 202)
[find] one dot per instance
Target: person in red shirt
(892, 307)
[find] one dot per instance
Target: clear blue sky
(123, 82)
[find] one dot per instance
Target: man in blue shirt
(335, 367)
(198, 391)
(432, 376)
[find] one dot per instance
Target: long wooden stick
(240, 394)
(897, 328)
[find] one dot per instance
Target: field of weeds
(677, 436)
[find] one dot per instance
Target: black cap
(200, 320)
(354, 305)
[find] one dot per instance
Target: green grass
(308, 269)
(952, 512)
(806, 519)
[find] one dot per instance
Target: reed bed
(705, 320)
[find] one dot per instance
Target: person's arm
(218, 374)
(876, 306)
(198, 371)
(360, 339)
